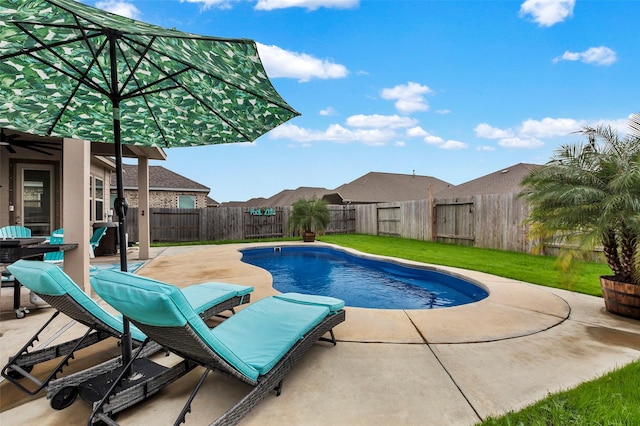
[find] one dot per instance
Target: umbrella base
(94, 389)
(146, 379)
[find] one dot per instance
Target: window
(96, 199)
(186, 202)
(99, 199)
(90, 198)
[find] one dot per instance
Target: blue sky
(450, 89)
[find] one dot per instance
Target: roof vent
(504, 171)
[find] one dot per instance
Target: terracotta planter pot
(621, 298)
(308, 237)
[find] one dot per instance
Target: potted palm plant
(587, 196)
(309, 216)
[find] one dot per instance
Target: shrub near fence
(488, 221)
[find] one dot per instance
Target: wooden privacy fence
(230, 223)
(489, 221)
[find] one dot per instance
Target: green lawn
(519, 266)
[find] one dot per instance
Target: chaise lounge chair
(56, 288)
(258, 345)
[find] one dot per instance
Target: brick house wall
(165, 199)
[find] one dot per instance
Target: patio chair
(98, 233)
(258, 345)
(14, 231)
(51, 284)
(57, 237)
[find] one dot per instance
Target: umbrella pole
(120, 203)
(121, 209)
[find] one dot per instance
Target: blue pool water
(359, 281)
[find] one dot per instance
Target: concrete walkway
(453, 366)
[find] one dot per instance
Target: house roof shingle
(160, 179)
(503, 181)
(376, 187)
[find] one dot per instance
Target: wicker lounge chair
(56, 288)
(259, 345)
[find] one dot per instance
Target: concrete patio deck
(453, 366)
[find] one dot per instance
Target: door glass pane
(36, 200)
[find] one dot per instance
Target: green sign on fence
(262, 212)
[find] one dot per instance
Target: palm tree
(309, 215)
(588, 194)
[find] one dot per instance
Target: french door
(36, 197)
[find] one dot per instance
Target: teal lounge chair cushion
(252, 341)
(158, 304)
(48, 279)
(264, 332)
(198, 297)
(203, 296)
(332, 303)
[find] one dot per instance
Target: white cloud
(308, 4)
(549, 127)
(121, 8)
(433, 140)
(443, 111)
(547, 12)
(417, 132)
(399, 143)
(328, 111)
(378, 121)
(410, 97)
(451, 144)
(208, 4)
(279, 62)
(485, 148)
(601, 55)
(484, 130)
(621, 124)
(530, 133)
(333, 133)
(517, 142)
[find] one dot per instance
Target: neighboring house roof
(283, 198)
(503, 181)
(211, 202)
(290, 196)
(252, 202)
(376, 187)
(160, 179)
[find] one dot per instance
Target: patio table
(13, 249)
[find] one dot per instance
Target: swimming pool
(361, 281)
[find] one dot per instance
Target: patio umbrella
(70, 70)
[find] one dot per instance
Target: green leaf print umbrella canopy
(70, 70)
